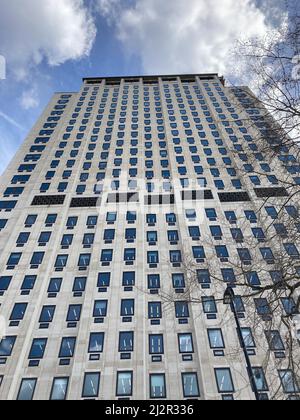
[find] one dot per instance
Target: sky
(50, 45)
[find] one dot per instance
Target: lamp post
(229, 299)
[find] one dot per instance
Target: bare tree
(267, 264)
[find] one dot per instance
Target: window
(156, 344)
(67, 347)
(91, 385)
(50, 219)
(128, 279)
(5, 283)
(18, 312)
(84, 260)
(88, 240)
(59, 389)
(37, 258)
(194, 232)
(130, 234)
(126, 342)
(158, 386)
(292, 251)
(154, 281)
(100, 309)
(209, 305)
(107, 255)
(253, 279)
(74, 313)
(27, 390)
(96, 343)
(178, 281)
(262, 306)
(248, 338)
(72, 222)
(152, 257)
(267, 255)
(289, 306)
(198, 252)
(190, 385)
(38, 348)
(289, 382)
(154, 310)
(175, 257)
(7, 345)
(47, 314)
(92, 221)
(127, 307)
(55, 285)
(23, 238)
(222, 252)
(182, 310)
(129, 255)
(216, 339)
(109, 235)
(224, 381)
(245, 255)
(275, 341)
(185, 342)
(124, 384)
(61, 261)
(44, 238)
(14, 259)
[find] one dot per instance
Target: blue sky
(50, 45)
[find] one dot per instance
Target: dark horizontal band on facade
(271, 192)
(187, 78)
(84, 202)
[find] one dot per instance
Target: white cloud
(173, 36)
(30, 98)
(34, 30)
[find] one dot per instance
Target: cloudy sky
(49, 45)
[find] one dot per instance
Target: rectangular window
(158, 386)
(7, 345)
(127, 307)
(182, 310)
(124, 384)
(126, 342)
(18, 312)
(96, 343)
(128, 279)
(224, 381)
(190, 385)
(100, 309)
(185, 342)
(103, 280)
(107, 255)
(155, 310)
(38, 348)
(289, 382)
(216, 339)
(47, 314)
(91, 385)
(67, 347)
(59, 389)
(156, 344)
(154, 281)
(209, 305)
(27, 390)
(74, 313)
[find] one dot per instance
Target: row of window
(157, 385)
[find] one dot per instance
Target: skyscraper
(120, 217)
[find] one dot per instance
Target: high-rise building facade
(121, 195)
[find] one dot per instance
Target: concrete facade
(113, 112)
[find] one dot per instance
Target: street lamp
(229, 299)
